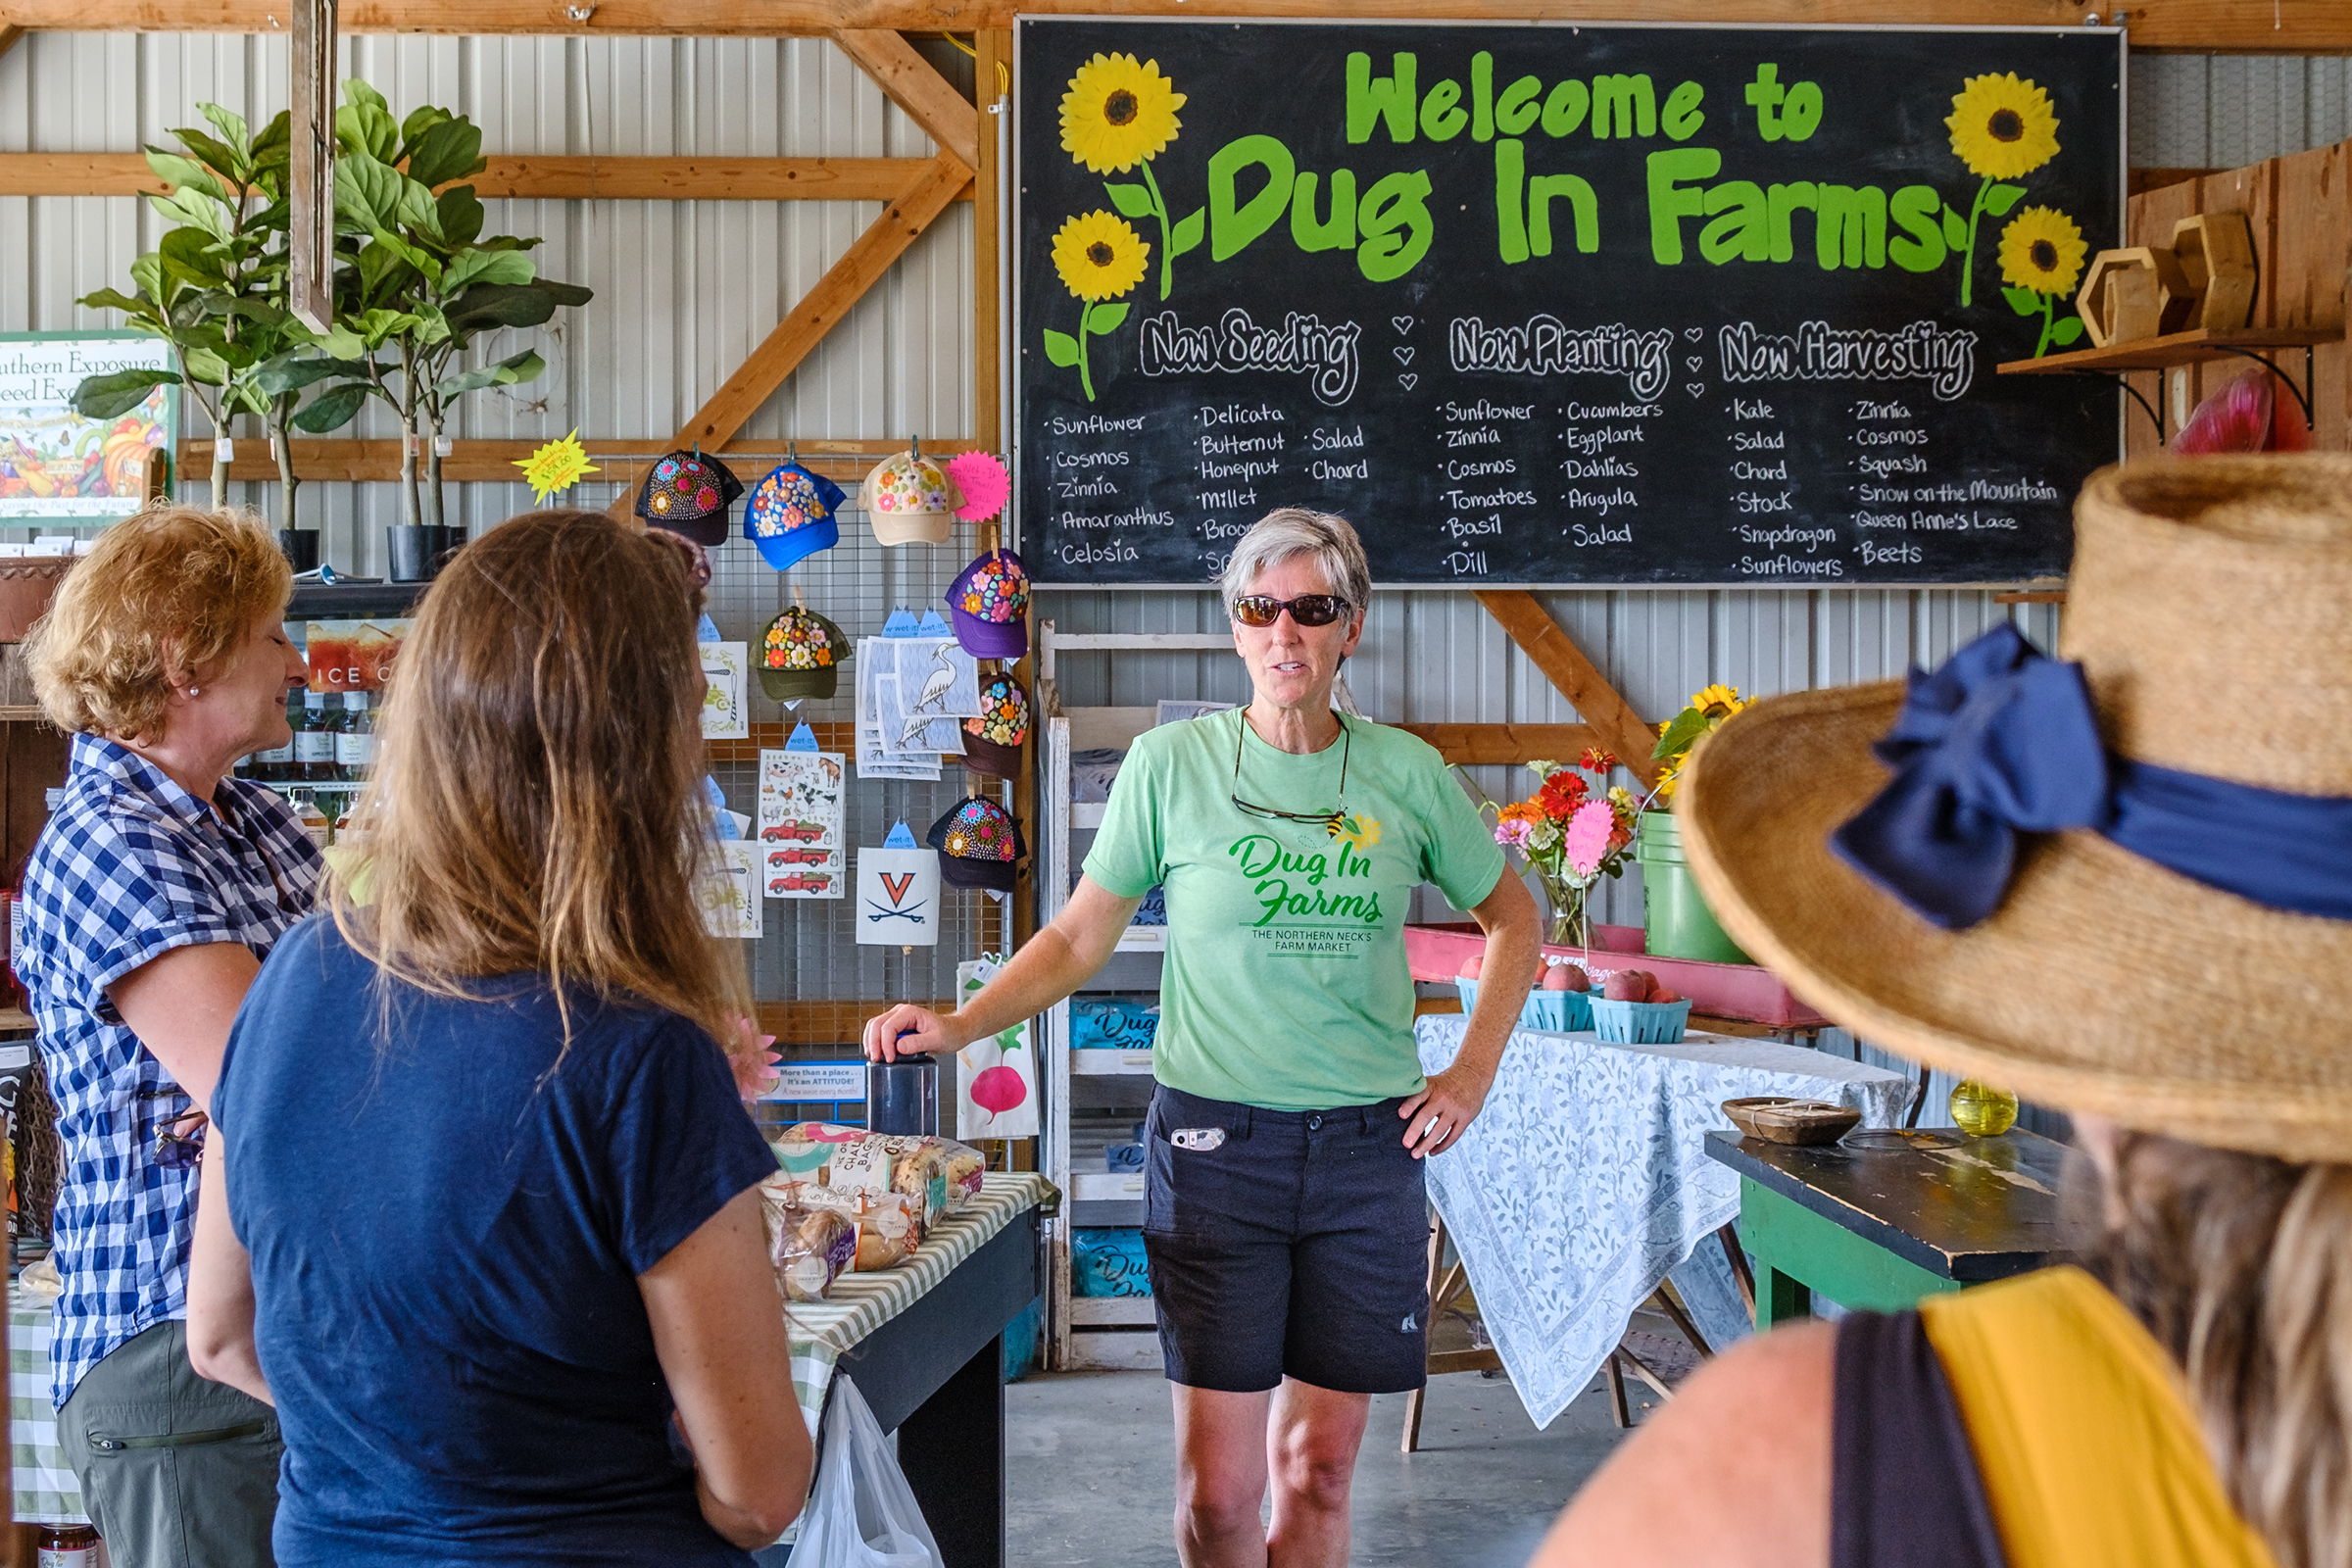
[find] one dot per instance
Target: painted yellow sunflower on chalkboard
(2042, 250)
(2041, 258)
(1118, 112)
(1099, 256)
(2002, 126)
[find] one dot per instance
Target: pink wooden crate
(1718, 990)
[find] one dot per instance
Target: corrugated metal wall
(684, 290)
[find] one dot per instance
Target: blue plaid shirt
(130, 867)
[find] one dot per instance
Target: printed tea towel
(996, 1079)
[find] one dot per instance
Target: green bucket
(1676, 920)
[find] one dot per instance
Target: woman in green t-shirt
(1285, 1216)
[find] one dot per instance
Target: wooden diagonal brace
(845, 284)
(1578, 679)
(908, 80)
(8, 35)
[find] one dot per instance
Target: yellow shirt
(2083, 1429)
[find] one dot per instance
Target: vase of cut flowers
(1571, 832)
(1676, 920)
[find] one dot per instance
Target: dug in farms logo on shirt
(1326, 892)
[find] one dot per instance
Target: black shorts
(1285, 1242)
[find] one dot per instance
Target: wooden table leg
(1728, 1233)
(1614, 1372)
(1413, 1400)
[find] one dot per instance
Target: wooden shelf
(1107, 1186)
(21, 714)
(1144, 939)
(1094, 1062)
(15, 1020)
(2175, 348)
(1125, 1311)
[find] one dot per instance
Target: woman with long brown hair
(490, 1241)
(2120, 882)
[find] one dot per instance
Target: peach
(1473, 966)
(1628, 985)
(1566, 977)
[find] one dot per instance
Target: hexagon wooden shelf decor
(2133, 293)
(2216, 255)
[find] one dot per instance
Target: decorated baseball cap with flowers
(992, 742)
(799, 654)
(909, 500)
(689, 494)
(978, 844)
(790, 515)
(988, 604)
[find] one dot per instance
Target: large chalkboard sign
(1560, 304)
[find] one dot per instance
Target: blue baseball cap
(791, 515)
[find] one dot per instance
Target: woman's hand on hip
(1443, 1110)
(908, 1030)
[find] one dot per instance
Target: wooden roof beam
(2223, 27)
(908, 80)
(531, 176)
(844, 284)
(1576, 677)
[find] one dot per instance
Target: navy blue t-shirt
(446, 1241)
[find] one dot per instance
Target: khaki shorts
(176, 1471)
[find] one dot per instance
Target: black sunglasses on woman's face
(1308, 610)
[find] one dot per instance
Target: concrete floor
(1091, 1472)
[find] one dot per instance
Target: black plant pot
(413, 549)
(452, 540)
(301, 547)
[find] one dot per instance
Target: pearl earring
(191, 691)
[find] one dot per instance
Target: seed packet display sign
(801, 854)
(725, 665)
(57, 467)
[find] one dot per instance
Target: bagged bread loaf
(890, 1226)
(809, 1247)
(939, 1174)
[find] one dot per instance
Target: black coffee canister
(903, 1097)
(301, 547)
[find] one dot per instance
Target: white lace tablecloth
(1586, 1180)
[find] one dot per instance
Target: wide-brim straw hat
(2210, 606)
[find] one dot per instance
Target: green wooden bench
(1882, 1219)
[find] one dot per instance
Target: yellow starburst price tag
(557, 465)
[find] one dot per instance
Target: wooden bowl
(1778, 1119)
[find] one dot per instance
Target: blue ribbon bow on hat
(2002, 741)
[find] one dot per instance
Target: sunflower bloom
(1117, 112)
(1099, 256)
(2004, 127)
(2042, 250)
(1716, 701)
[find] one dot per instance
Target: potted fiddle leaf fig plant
(419, 290)
(214, 289)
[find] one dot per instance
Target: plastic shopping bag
(861, 1513)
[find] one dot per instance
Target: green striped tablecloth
(46, 1492)
(822, 1332)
